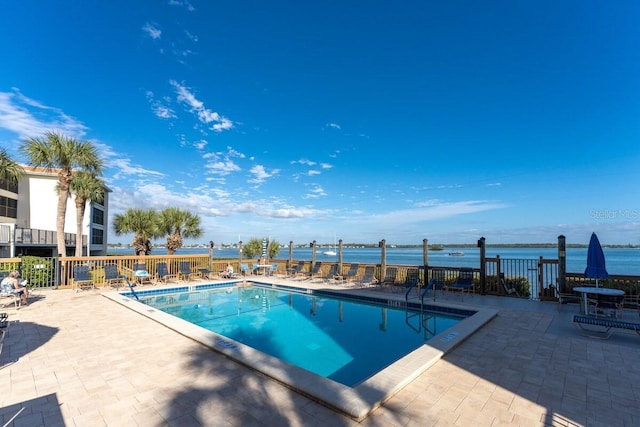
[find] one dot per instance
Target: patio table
(586, 290)
(265, 268)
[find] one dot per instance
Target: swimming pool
(345, 341)
(357, 400)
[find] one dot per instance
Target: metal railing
(533, 278)
(629, 284)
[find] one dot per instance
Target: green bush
(38, 271)
(522, 286)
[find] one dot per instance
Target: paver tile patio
(78, 359)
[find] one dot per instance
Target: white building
(28, 218)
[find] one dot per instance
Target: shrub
(38, 271)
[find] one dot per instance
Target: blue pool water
(343, 340)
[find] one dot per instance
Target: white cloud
(433, 210)
(260, 174)
(159, 109)
(306, 162)
(200, 145)
(152, 30)
(163, 112)
(225, 124)
(204, 115)
(222, 167)
(333, 126)
(183, 3)
(187, 97)
(292, 212)
(125, 168)
(192, 37)
(29, 118)
(315, 193)
(231, 152)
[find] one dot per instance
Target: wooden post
(340, 257)
(499, 273)
(425, 260)
(562, 264)
(483, 265)
(383, 259)
(211, 245)
(290, 262)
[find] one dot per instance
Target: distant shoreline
(435, 247)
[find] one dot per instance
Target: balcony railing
(33, 236)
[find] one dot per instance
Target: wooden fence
(532, 278)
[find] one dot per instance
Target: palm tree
(177, 224)
(253, 248)
(57, 152)
(87, 187)
(9, 170)
(142, 222)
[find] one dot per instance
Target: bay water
(622, 261)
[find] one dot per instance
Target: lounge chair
(315, 270)
(295, 270)
(4, 327)
(508, 285)
(255, 268)
(8, 292)
(184, 270)
(352, 273)
(228, 273)
(567, 298)
(273, 270)
(205, 272)
(244, 269)
(141, 274)
(81, 278)
(368, 277)
(162, 273)
(609, 306)
(331, 274)
(411, 280)
(112, 276)
(390, 277)
(437, 281)
(464, 281)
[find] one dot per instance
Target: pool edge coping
(356, 402)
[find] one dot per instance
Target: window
(8, 207)
(98, 216)
(9, 185)
(97, 237)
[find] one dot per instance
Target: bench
(610, 325)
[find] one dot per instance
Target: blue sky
(516, 121)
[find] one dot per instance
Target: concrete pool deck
(356, 402)
(79, 359)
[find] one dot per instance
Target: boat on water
(332, 252)
(456, 253)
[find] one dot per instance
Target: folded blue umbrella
(596, 264)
